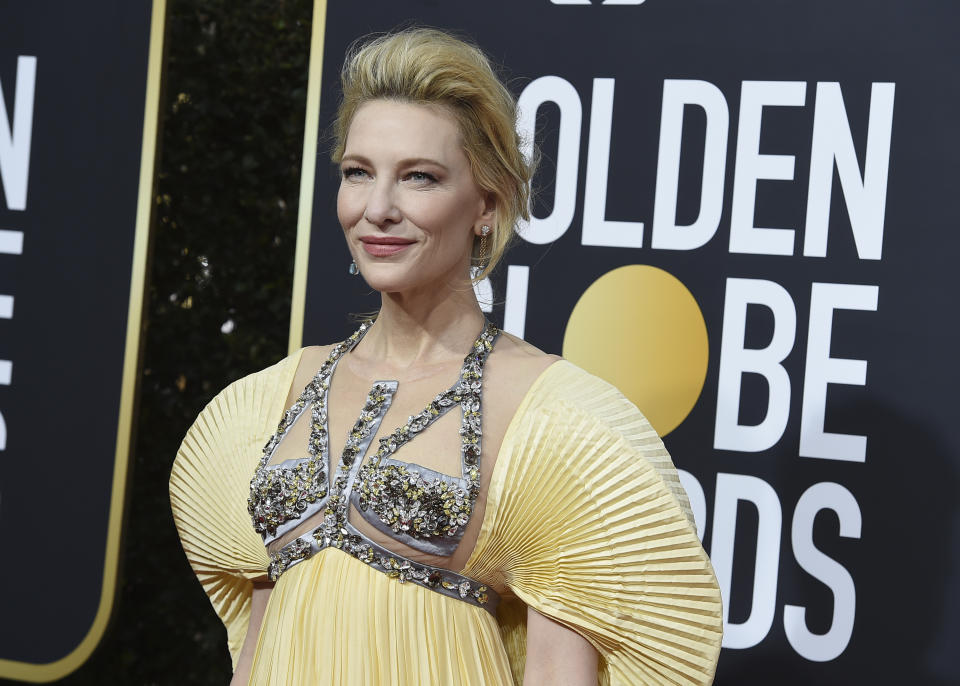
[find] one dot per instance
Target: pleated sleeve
(587, 523)
(209, 485)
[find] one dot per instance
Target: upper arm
(557, 655)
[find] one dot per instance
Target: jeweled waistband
(394, 566)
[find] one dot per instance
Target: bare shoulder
(519, 351)
(515, 365)
(311, 359)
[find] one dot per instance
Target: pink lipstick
(384, 246)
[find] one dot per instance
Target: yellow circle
(639, 328)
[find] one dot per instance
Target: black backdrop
(74, 92)
(902, 560)
(854, 526)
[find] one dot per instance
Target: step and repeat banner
(745, 219)
(79, 89)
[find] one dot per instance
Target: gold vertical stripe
(307, 176)
(51, 671)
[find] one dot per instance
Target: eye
(421, 177)
(353, 172)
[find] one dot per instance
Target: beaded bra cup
(420, 507)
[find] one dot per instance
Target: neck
(425, 328)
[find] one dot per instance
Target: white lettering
(553, 89)
(821, 370)
(677, 94)
(11, 242)
(483, 289)
(15, 139)
(823, 647)
(751, 166)
(515, 308)
(597, 230)
(735, 360)
(865, 196)
(732, 488)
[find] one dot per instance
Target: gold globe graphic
(641, 329)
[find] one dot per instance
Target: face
(408, 203)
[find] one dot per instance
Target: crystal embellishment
(403, 499)
(426, 508)
(278, 493)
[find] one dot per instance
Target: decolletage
(412, 504)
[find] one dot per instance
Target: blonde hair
(432, 67)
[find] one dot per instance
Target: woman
(544, 538)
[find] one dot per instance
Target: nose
(381, 209)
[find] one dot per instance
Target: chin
(387, 278)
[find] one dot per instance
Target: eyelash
(353, 171)
(425, 175)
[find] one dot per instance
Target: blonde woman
(441, 503)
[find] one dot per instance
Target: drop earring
(353, 268)
(484, 231)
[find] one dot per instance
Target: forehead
(403, 130)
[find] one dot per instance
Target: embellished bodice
(414, 505)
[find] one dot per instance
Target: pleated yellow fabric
(209, 485)
(335, 620)
(585, 521)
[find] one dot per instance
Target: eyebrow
(408, 162)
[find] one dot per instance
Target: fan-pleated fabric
(585, 521)
(209, 485)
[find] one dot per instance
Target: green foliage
(223, 248)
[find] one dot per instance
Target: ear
(488, 212)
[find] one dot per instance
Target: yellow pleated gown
(585, 521)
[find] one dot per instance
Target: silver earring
(353, 268)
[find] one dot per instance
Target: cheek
(447, 222)
(438, 214)
(349, 209)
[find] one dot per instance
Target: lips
(384, 246)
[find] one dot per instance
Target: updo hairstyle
(431, 67)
